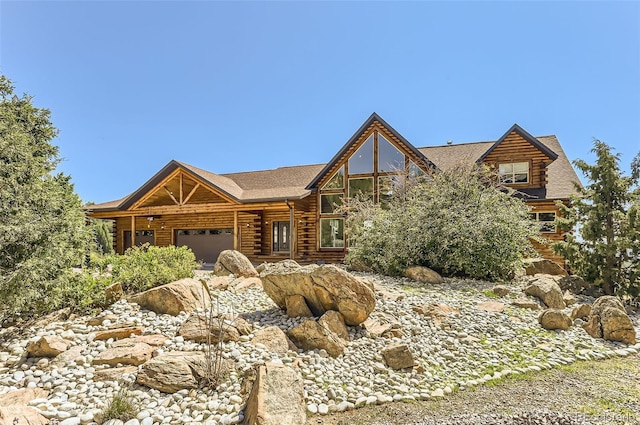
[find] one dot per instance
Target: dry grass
(605, 392)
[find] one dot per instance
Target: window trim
(513, 173)
(331, 248)
(537, 220)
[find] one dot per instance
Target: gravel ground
(603, 392)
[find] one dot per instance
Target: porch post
(133, 230)
(235, 230)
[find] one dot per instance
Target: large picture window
(514, 173)
(332, 233)
(329, 202)
(390, 159)
(362, 187)
(361, 162)
(336, 181)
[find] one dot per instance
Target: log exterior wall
(516, 149)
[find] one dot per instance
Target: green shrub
(142, 268)
(119, 408)
(82, 292)
(457, 222)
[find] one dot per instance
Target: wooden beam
(190, 194)
(181, 183)
(236, 231)
(153, 190)
(171, 195)
(133, 230)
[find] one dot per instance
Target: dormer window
(514, 173)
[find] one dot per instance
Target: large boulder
(274, 339)
(47, 346)
(297, 307)
(235, 263)
(113, 373)
(14, 407)
(201, 328)
(276, 398)
(310, 335)
(134, 353)
(173, 371)
(334, 321)
(423, 274)
(581, 311)
(21, 415)
(182, 295)
(533, 266)
(554, 319)
(545, 288)
(118, 332)
(398, 356)
(609, 320)
(323, 288)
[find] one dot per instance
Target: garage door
(206, 244)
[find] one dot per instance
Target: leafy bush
(82, 292)
(456, 222)
(142, 268)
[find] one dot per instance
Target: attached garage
(206, 244)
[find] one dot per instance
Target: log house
(289, 212)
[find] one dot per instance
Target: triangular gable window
(390, 159)
(414, 170)
(337, 181)
(361, 162)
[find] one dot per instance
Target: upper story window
(390, 159)
(514, 173)
(546, 221)
(361, 162)
(336, 181)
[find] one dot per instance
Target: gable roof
(253, 186)
(525, 135)
(373, 118)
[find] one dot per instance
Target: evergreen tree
(42, 224)
(604, 249)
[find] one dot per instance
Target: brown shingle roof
(293, 182)
(253, 186)
(560, 173)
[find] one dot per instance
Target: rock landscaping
(403, 340)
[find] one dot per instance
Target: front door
(281, 236)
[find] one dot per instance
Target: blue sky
(240, 86)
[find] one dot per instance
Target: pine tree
(42, 224)
(605, 215)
